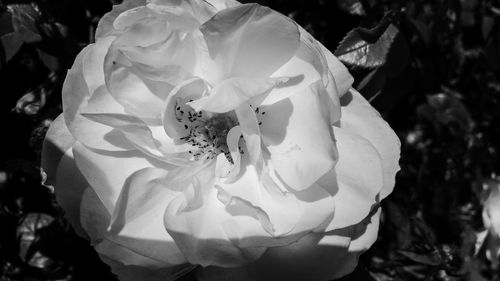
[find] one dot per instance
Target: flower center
(207, 132)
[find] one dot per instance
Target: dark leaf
(11, 43)
(372, 84)
(5, 23)
(27, 235)
(426, 259)
(25, 18)
(367, 48)
(353, 7)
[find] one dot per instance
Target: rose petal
(134, 273)
(76, 98)
(234, 92)
(282, 209)
(250, 40)
(57, 141)
(196, 226)
(106, 173)
(314, 257)
(105, 25)
(304, 68)
(93, 64)
(188, 90)
(251, 133)
(360, 118)
(298, 136)
(141, 136)
(94, 217)
(137, 221)
(135, 96)
(68, 188)
(359, 175)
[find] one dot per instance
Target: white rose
(220, 137)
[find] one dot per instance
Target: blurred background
(431, 68)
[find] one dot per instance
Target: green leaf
(368, 48)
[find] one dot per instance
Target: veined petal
(297, 133)
(359, 176)
(137, 221)
(360, 118)
(234, 92)
(250, 40)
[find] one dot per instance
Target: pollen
(207, 132)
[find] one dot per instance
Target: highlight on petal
(233, 92)
(135, 96)
(250, 40)
(137, 221)
(359, 117)
(359, 176)
(299, 138)
(76, 98)
(106, 173)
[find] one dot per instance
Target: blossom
(221, 138)
(488, 241)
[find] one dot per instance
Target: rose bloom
(221, 138)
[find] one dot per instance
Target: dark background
(432, 70)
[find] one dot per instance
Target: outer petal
(250, 40)
(128, 264)
(59, 165)
(134, 273)
(360, 118)
(106, 173)
(360, 179)
(297, 133)
(137, 221)
(76, 99)
(105, 25)
(57, 141)
(315, 257)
